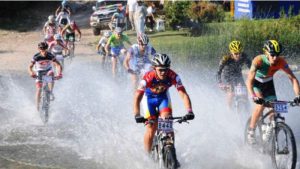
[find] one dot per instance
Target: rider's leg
(114, 65)
(149, 135)
(230, 96)
(134, 80)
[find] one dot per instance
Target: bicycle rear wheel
(170, 157)
(284, 151)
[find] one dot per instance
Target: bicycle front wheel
(284, 151)
(170, 157)
(44, 106)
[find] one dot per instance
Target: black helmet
(273, 47)
(162, 60)
(43, 45)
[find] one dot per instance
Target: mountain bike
(163, 148)
(240, 101)
(44, 104)
(280, 144)
(71, 47)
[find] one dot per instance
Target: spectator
(150, 16)
(130, 11)
(140, 17)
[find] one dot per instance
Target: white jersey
(62, 15)
(103, 41)
(140, 62)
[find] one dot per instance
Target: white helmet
(143, 39)
(162, 60)
(107, 34)
(57, 37)
(51, 19)
(118, 30)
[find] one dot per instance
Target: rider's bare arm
(126, 61)
(59, 65)
(136, 102)
(250, 80)
(30, 71)
(293, 79)
(186, 99)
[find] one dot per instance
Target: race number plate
(59, 57)
(280, 107)
(240, 90)
(47, 79)
(165, 125)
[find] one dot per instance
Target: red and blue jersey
(154, 87)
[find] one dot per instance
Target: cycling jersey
(140, 62)
(265, 70)
(63, 18)
(43, 63)
(230, 70)
(153, 87)
(156, 98)
(57, 49)
(263, 82)
(114, 42)
(103, 41)
(51, 29)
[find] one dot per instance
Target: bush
(204, 11)
(176, 13)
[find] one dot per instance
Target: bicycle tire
(289, 136)
(170, 157)
(44, 106)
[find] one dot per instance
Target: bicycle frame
(163, 140)
(44, 104)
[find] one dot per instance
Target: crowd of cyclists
(151, 74)
(59, 30)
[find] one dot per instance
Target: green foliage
(175, 12)
(204, 11)
(208, 48)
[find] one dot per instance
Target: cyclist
(50, 29)
(101, 45)
(137, 61)
(69, 32)
(57, 47)
(154, 87)
(43, 66)
(260, 82)
(63, 18)
(229, 73)
(115, 41)
(64, 7)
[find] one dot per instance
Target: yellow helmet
(235, 46)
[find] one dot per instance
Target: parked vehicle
(103, 12)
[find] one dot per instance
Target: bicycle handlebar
(178, 119)
(271, 103)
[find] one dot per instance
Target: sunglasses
(274, 55)
(162, 69)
